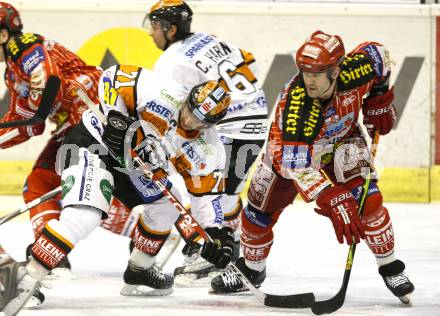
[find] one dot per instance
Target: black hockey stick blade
(47, 100)
(303, 300)
(333, 304)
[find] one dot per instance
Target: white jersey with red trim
(202, 57)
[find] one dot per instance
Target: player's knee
(87, 184)
(39, 182)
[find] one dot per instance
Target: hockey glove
(340, 206)
(152, 152)
(31, 130)
(219, 251)
(115, 131)
(379, 113)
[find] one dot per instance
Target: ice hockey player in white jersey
(161, 122)
(190, 59)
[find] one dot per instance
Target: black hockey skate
(195, 270)
(229, 282)
(16, 287)
(396, 281)
(148, 282)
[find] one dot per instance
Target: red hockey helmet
(209, 102)
(320, 52)
(10, 18)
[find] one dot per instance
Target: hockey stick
(8, 136)
(302, 300)
(333, 304)
(47, 100)
(30, 205)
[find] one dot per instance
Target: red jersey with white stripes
(31, 59)
(306, 131)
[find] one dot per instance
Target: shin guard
(149, 241)
(379, 233)
(50, 248)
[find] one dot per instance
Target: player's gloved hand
(341, 207)
(32, 130)
(379, 113)
(219, 251)
(115, 132)
(152, 152)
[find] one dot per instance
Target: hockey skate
(229, 282)
(396, 281)
(148, 282)
(195, 270)
(16, 287)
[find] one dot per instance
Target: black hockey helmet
(10, 18)
(209, 102)
(170, 12)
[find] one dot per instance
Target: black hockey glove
(219, 251)
(115, 131)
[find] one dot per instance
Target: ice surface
(305, 257)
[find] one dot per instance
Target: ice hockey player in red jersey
(30, 59)
(192, 58)
(315, 133)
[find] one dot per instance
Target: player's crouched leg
(142, 277)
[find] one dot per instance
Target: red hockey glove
(379, 113)
(31, 130)
(340, 206)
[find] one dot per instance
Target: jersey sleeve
(379, 57)
(29, 54)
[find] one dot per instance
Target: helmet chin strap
(330, 87)
(5, 55)
(332, 80)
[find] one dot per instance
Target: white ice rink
(305, 257)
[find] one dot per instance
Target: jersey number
(238, 79)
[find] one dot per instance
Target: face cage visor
(151, 22)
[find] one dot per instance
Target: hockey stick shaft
(45, 197)
(8, 136)
(290, 301)
(49, 95)
(336, 302)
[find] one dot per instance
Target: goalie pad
(87, 183)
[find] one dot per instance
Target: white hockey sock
(140, 259)
(386, 260)
(76, 223)
(36, 270)
(256, 265)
